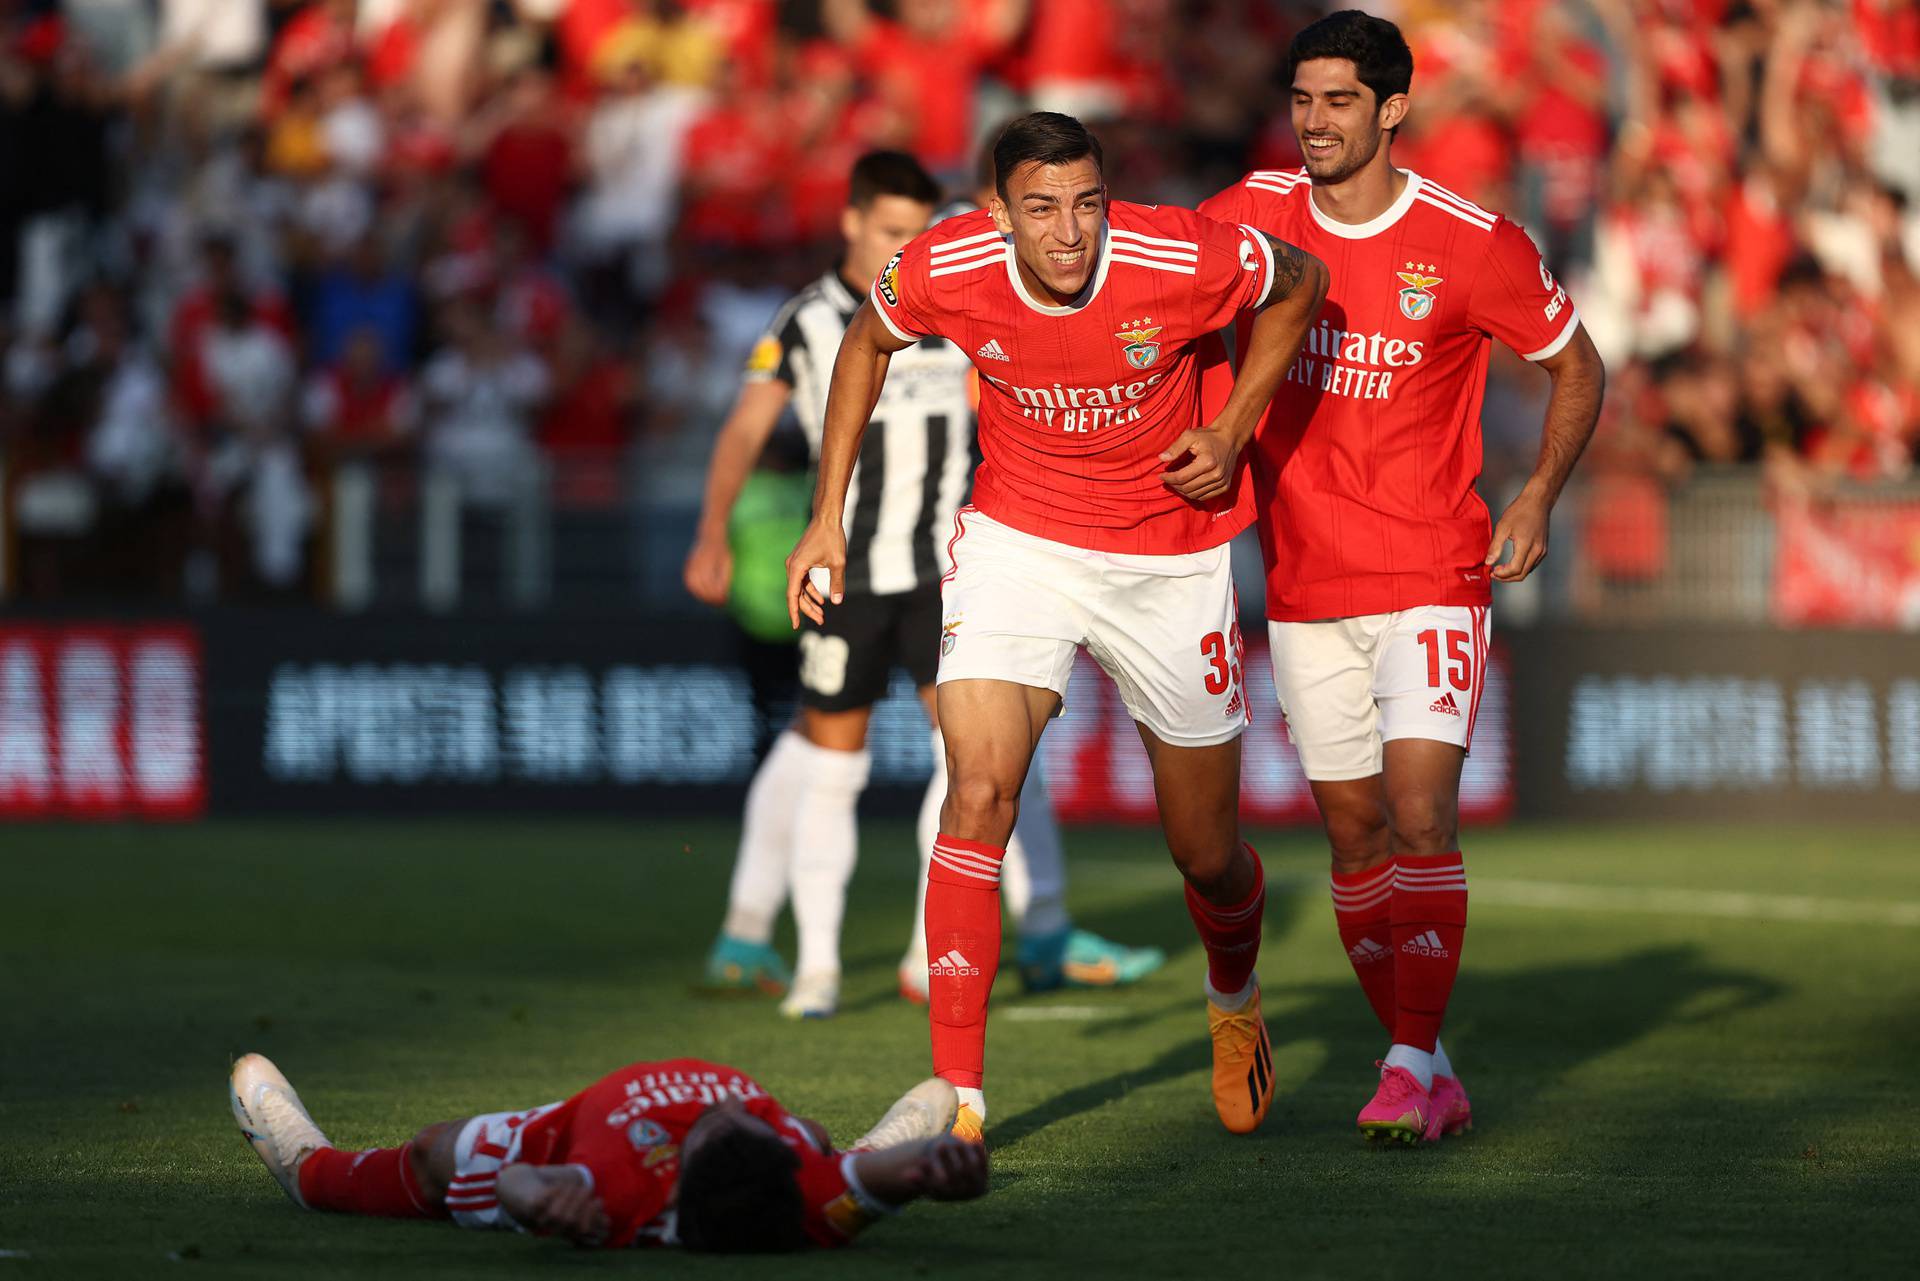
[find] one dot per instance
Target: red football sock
(1429, 923)
(1231, 932)
(1362, 909)
(963, 953)
(378, 1181)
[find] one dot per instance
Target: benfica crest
(1141, 349)
(1416, 300)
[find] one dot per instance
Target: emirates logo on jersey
(1141, 350)
(1416, 300)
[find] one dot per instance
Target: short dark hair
(740, 1194)
(890, 173)
(1042, 138)
(1374, 46)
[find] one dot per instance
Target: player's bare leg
(992, 728)
(825, 847)
(1198, 791)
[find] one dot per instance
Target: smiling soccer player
(1100, 517)
(1379, 552)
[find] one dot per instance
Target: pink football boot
(1399, 1110)
(1451, 1112)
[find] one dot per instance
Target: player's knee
(1359, 839)
(1424, 824)
(1213, 868)
(979, 802)
(432, 1157)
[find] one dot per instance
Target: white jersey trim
(1566, 336)
(1279, 181)
(967, 260)
(1184, 269)
(880, 310)
(1484, 224)
(1259, 238)
(1362, 230)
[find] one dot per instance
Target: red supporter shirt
(1077, 402)
(1364, 468)
(626, 1130)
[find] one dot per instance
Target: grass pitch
(1691, 1053)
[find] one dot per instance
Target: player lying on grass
(680, 1152)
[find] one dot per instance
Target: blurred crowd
(244, 242)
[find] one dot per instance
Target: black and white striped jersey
(917, 458)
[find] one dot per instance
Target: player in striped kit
(913, 471)
(1379, 552)
(1100, 517)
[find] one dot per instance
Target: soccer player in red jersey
(681, 1152)
(1100, 517)
(1378, 551)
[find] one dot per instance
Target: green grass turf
(1657, 1092)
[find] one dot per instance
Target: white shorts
(486, 1145)
(1165, 628)
(1347, 685)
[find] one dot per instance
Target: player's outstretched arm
(709, 569)
(942, 1169)
(554, 1200)
(1579, 382)
(1279, 331)
(859, 372)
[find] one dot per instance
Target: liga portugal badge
(1416, 300)
(1141, 349)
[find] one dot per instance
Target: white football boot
(813, 996)
(924, 1112)
(273, 1120)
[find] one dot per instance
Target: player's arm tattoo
(1289, 267)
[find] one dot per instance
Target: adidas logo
(953, 965)
(1445, 705)
(993, 351)
(1367, 950)
(1427, 944)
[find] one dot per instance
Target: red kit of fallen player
(678, 1152)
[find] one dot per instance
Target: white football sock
(926, 832)
(825, 845)
(1419, 1062)
(1442, 1065)
(1231, 1001)
(1033, 877)
(975, 1099)
(760, 867)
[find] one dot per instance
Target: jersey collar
(1373, 227)
(1086, 295)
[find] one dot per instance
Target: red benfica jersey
(626, 1129)
(1365, 465)
(1078, 401)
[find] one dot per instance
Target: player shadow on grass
(1515, 1034)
